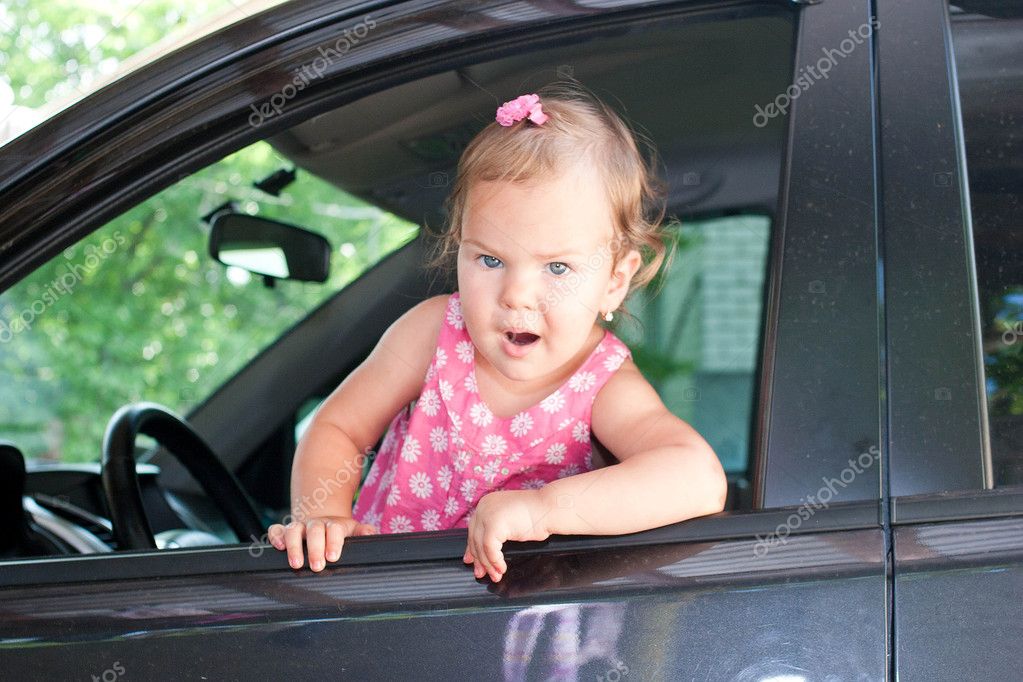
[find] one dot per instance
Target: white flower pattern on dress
(389, 439)
(521, 424)
(581, 432)
(480, 414)
(552, 403)
(401, 524)
(444, 477)
(420, 485)
(465, 351)
(410, 449)
(439, 439)
(429, 402)
(454, 316)
(582, 381)
(493, 444)
(373, 519)
(613, 362)
(393, 496)
(414, 486)
(570, 470)
(556, 453)
(468, 489)
(490, 470)
(430, 520)
(461, 461)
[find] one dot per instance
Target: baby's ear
(621, 275)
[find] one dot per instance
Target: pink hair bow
(523, 106)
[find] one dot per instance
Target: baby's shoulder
(429, 312)
(421, 322)
(626, 391)
(413, 336)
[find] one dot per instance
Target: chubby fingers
(293, 534)
(315, 542)
(495, 558)
(275, 534)
(478, 566)
(485, 552)
(335, 540)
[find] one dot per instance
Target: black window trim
(827, 190)
(429, 546)
(958, 505)
(937, 405)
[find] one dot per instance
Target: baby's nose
(522, 291)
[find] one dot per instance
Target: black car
(843, 323)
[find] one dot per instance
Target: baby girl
(553, 220)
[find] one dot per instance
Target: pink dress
(447, 449)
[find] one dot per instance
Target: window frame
(783, 369)
(937, 412)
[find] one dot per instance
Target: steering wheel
(121, 483)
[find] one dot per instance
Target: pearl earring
(608, 316)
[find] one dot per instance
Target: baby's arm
(666, 473)
(350, 422)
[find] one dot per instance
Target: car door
(952, 164)
(793, 586)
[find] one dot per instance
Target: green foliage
(1004, 358)
(49, 50)
(139, 311)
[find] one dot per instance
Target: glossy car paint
(959, 595)
(719, 609)
(708, 599)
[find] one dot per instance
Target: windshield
(140, 311)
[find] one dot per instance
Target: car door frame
(958, 541)
(841, 540)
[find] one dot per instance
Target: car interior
(683, 86)
(689, 86)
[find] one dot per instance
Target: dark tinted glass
(989, 61)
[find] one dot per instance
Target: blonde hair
(580, 127)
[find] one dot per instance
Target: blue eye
(490, 262)
(557, 268)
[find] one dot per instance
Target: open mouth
(521, 338)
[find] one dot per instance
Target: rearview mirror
(269, 248)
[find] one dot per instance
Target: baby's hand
(501, 516)
(321, 533)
